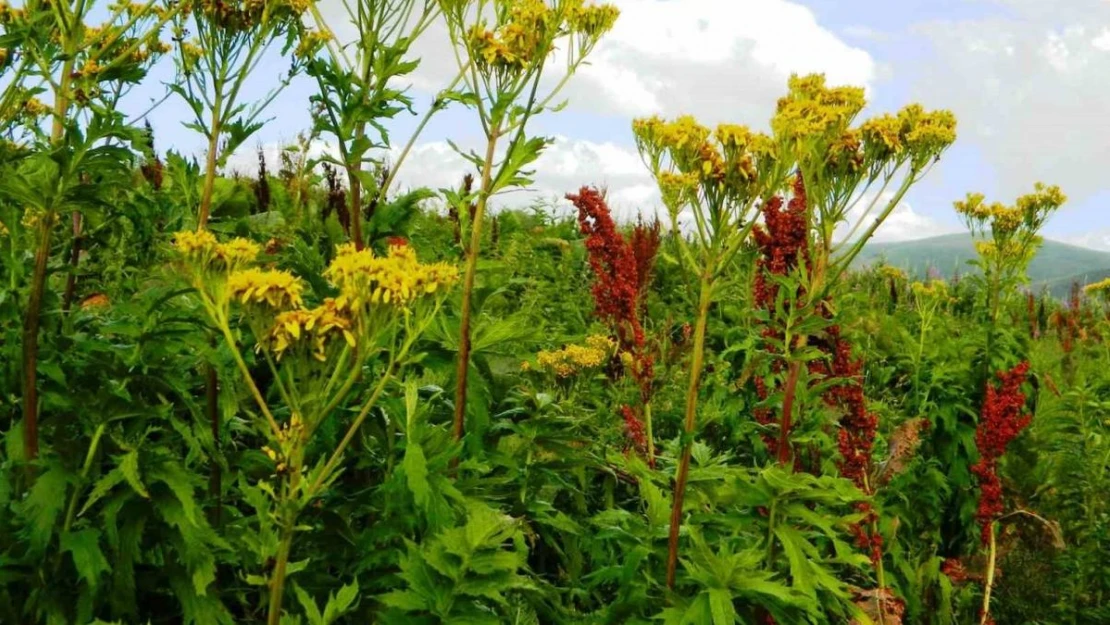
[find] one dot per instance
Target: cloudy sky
(1026, 79)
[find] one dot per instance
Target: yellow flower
(593, 21)
(319, 326)
(396, 279)
(573, 359)
(892, 273)
(276, 289)
(195, 244)
(238, 251)
(882, 135)
(930, 289)
(1100, 287)
(3, 230)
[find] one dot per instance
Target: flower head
(396, 279)
(271, 288)
(315, 328)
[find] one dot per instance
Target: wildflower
(634, 429)
(199, 245)
(1002, 418)
(593, 21)
(892, 273)
(616, 276)
(318, 326)
(237, 252)
(3, 230)
(396, 279)
(274, 288)
(782, 239)
(574, 359)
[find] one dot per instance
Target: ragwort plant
(503, 49)
(722, 179)
(317, 356)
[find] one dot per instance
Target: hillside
(1056, 266)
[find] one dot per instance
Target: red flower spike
(1003, 417)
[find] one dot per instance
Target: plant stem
(985, 612)
(210, 164)
(33, 317)
(650, 435)
(463, 368)
(277, 582)
(74, 259)
(688, 427)
(355, 208)
(31, 341)
(789, 394)
(212, 399)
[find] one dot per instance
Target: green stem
(690, 422)
(984, 613)
(71, 510)
(650, 434)
(277, 582)
(246, 373)
(213, 155)
(463, 367)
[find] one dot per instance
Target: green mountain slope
(1056, 266)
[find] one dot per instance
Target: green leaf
(341, 603)
(129, 466)
(309, 605)
(720, 605)
(103, 486)
(84, 546)
(181, 484)
(43, 505)
(416, 474)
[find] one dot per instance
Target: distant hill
(1056, 266)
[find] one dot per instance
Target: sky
(1025, 78)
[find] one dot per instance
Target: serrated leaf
(43, 506)
(84, 547)
(309, 605)
(129, 466)
(341, 602)
(416, 474)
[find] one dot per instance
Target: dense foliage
(307, 397)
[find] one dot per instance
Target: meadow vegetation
(311, 397)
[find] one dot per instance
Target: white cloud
(1097, 240)
(564, 167)
(903, 223)
(1028, 90)
(716, 59)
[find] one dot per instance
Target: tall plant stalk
(462, 368)
(689, 424)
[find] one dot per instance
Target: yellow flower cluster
(1101, 287)
(527, 34)
(732, 155)
(1029, 212)
(310, 42)
(573, 359)
(201, 247)
(273, 288)
(931, 289)
(398, 278)
(317, 326)
(811, 109)
(815, 116)
(1094, 287)
(592, 21)
(892, 273)
(289, 435)
(3, 230)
